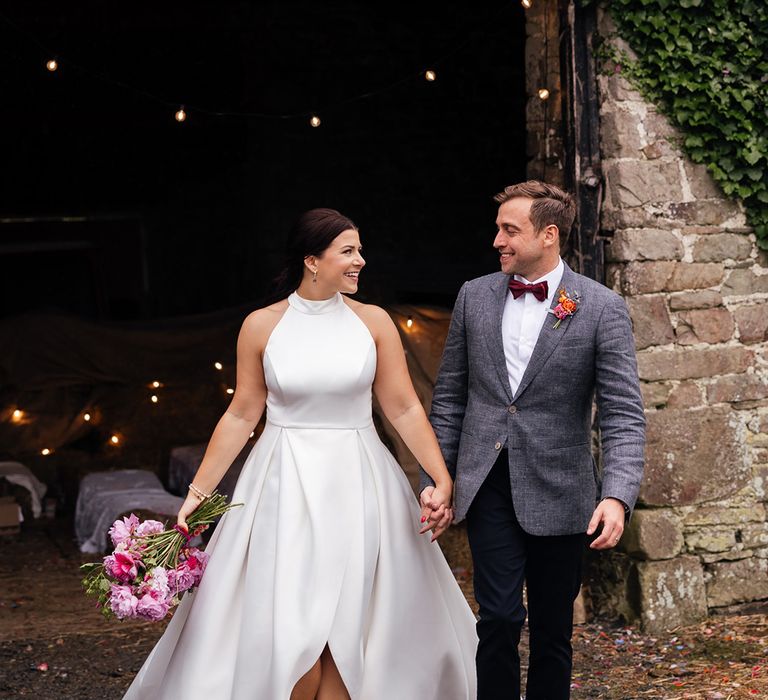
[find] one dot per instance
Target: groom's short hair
(550, 205)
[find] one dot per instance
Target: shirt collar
(552, 279)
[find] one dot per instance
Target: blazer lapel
(549, 337)
(493, 311)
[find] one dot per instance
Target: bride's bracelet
(197, 492)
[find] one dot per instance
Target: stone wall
(696, 286)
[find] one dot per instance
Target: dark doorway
(413, 162)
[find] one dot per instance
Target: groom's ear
(551, 234)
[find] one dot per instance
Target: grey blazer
(546, 425)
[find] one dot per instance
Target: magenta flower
(122, 602)
(121, 566)
(152, 609)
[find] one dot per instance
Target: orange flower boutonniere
(567, 305)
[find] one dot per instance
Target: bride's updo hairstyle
(312, 233)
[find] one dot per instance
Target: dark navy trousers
(505, 557)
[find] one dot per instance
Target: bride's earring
(314, 275)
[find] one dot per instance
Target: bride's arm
(242, 415)
(400, 404)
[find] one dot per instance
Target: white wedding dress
(325, 549)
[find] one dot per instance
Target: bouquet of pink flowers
(151, 567)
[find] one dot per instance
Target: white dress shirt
(522, 321)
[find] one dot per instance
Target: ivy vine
(705, 64)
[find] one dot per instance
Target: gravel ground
(55, 645)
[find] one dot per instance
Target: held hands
(436, 510)
(609, 513)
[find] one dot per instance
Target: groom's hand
(610, 514)
(435, 516)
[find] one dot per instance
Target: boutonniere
(567, 305)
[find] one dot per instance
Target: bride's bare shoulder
(376, 318)
(260, 323)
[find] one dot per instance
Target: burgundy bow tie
(539, 290)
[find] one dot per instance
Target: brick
(704, 326)
(737, 581)
(653, 534)
(646, 277)
(695, 276)
(704, 212)
(701, 182)
(655, 393)
(685, 395)
(693, 456)
(706, 516)
(752, 322)
(644, 244)
(704, 299)
(620, 134)
(650, 321)
(693, 363)
(722, 246)
(633, 183)
(740, 387)
(672, 593)
(710, 540)
(744, 282)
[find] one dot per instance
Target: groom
(527, 351)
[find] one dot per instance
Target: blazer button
(512, 409)
(497, 446)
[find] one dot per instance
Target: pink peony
(156, 584)
(152, 609)
(122, 530)
(181, 578)
(149, 527)
(121, 565)
(196, 562)
(122, 602)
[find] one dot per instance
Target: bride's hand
(436, 509)
(190, 505)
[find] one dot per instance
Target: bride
(325, 583)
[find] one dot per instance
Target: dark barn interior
(114, 210)
(133, 244)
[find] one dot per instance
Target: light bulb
(409, 322)
(218, 365)
(156, 385)
(153, 398)
(230, 391)
(315, 120)
(52, 65)
(527, 4)
(430, 75)
(114, 439)
(45, 452)
(18, 414)
(543, 94)
(181, 115)
(87, 417)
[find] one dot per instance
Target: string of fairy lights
(184, 112)
(20, 416)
